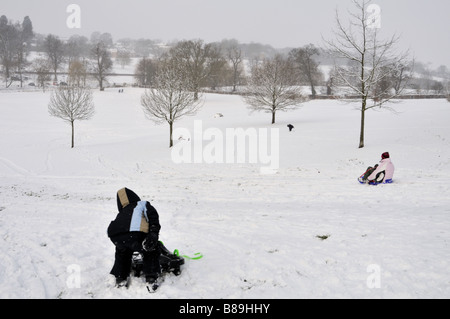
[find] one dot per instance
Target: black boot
(151, 279)
(121, 282)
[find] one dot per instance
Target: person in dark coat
(135, 229)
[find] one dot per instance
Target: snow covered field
(258, 233)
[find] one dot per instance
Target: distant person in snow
(135, 229)
(291, 127)
(380, 173)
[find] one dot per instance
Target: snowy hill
(259, 234)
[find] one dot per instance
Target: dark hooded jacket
(134, 216)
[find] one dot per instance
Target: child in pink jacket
(381, 173)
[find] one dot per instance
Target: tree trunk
(363, 98)
(363, 118)
(101, 83)
(273, 117)
(171, 135)
(311, 83)
(235, 77)
(313, 91)
(73, 134)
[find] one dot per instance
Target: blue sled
(388, 181)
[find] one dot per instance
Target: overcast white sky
(423, 24)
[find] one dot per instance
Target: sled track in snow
(14, 167)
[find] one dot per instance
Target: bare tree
(144, 72)
(42, 68)
(124, 58)
(234, 55)
(307, 67)
(271, 87)
(218, 67)
(77, 48)
(15, 39)
(170, 99)
(370, 61)
(77, 73)
(194, 58)
(9, 43)
(55, 52)
(70, 104)
(401, 76)
(102, 63)
(21, 48)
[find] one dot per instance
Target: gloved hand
(149, 244)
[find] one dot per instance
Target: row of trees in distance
(80, 57)
(366, 67)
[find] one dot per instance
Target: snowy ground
(258, 233)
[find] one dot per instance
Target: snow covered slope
(259, 233)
